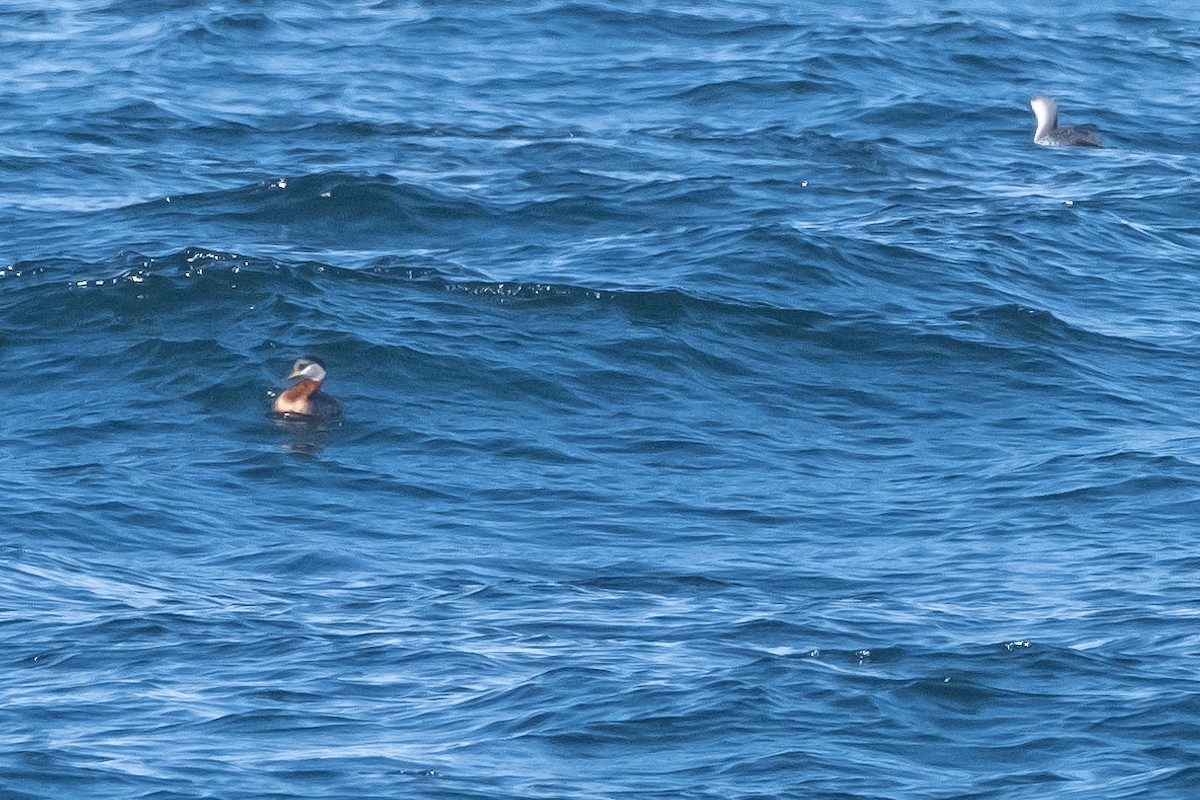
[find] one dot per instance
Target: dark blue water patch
(688, 360)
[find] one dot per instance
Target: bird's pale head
(308, 367)
(1046, 111)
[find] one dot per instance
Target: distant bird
(1049, 133)
(305, 398)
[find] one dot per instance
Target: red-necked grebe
(306, 399)
(1048, 132)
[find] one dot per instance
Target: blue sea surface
(738, 403)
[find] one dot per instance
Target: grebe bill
(1048, 132)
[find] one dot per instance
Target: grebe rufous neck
(1048, 132)
(306, 398)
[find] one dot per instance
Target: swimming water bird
(305, 398)
(1049, 133)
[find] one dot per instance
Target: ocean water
(738, 403)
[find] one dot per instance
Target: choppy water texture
(739, 404)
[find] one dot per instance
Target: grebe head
(308, 367)
(1046, 111)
